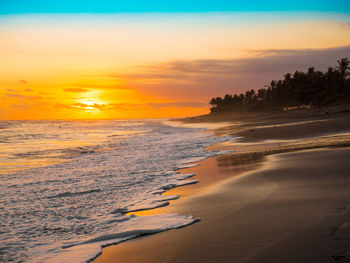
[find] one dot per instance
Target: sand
(287, 207)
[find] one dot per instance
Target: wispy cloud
(191, 104)
(126, 106)
(89, 106)
(20, 96)
(202, 79)
(76, 90)
(345, 25)
(11, 90)
(22, 106)
(95, 86)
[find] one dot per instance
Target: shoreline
(213, 180)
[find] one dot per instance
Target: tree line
(313, 87)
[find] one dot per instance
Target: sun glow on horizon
(90, 101)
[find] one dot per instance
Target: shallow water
(67, 185)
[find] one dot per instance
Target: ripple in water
(66, 186)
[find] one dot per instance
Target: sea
(69, 188)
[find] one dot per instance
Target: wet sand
(289, 207)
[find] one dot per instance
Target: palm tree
(343, 67)
(312, 87)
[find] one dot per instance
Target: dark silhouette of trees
(313, 88)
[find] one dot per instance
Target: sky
(195, 6)
(141, 59)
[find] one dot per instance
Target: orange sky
(123, 66)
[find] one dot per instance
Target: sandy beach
(282, 196)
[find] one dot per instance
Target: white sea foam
(83, 179)
(134, 227)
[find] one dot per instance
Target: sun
(90, 101)
(92, 105)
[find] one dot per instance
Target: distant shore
(282, 196)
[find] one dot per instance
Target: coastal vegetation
(312, 88)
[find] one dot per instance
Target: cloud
(127, 106)
(20, 96)
(199, 80)
(11, 90)
(101, 86)
(22, 81)
(89, 106)
(76, 90)
(180, 104)
(344, 25)
(20, 106)
(57, 105)
(329, 55)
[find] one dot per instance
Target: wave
(87, 200)
(70, 194)
(88, 250)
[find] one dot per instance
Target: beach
(278, 198)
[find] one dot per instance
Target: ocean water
(66, 186)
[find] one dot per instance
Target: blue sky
(114, 6)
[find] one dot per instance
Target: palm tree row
(314, 88)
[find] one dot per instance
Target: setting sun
(89, 101)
